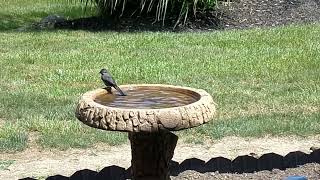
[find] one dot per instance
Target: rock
(50, 22)
(52, 19)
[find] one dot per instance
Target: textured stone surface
(145, 120)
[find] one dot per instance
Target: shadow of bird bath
(238, 165)
(148, 113)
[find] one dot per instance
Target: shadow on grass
(14, 21)
(241, 164)
(20, 20)
(29, 22)
(203, 21)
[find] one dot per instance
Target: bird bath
(148, 113)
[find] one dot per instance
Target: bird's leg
(108, 88)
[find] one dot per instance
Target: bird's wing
(108, 79)
(119, 90)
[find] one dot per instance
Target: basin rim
(145, 120)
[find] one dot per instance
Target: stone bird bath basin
(148, 113)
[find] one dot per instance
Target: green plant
(12, 138)
(157, 8)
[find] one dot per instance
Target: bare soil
(229, 158)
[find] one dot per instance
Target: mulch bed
(256, 13)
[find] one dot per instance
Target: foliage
(157, 8)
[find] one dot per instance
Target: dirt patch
(43, 163)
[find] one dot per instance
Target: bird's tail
(120, 91)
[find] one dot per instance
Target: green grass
(264, 81)
(4, 164)
(17, 13)
(12, 138)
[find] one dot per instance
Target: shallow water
(147, 99)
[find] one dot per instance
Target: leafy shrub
(157, 8)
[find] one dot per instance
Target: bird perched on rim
(110, 82)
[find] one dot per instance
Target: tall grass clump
(159, 9)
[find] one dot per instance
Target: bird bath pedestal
(148, 114)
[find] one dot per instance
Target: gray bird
(109, 82)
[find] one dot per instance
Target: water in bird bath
(148, 98)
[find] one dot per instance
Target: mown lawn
(265, 81)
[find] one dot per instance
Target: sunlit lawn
(265, 81)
